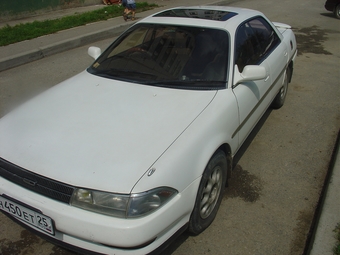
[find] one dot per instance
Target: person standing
(130, 8)
(109, 2)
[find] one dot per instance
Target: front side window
(255, 40)
(167, 55)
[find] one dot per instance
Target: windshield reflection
(163, 55)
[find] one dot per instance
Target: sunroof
(197, 14)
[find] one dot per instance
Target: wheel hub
(211, 192)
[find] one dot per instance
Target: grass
(21, 32)
(336, 249)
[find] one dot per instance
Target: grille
(50, 188)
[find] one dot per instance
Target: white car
(138, 148)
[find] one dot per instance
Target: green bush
(27, 31)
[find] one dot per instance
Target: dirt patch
(244, 185)
(22, 246)
(311, 39)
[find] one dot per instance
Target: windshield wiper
(185, 82)
(123, 73)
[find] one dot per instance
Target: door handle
(267, 78)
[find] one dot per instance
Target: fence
(21, 8)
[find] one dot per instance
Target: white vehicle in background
(138, 148)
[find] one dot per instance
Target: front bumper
(89, 232)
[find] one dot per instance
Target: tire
(280, 98)
(210, 193)
(337, 11)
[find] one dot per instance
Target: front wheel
(209, 195)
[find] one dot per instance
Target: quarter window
(255, 40)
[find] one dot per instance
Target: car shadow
(176, 243)
(328, 14)
(251, 137)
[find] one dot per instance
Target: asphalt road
(269, 205)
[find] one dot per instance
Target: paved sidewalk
(27, 51)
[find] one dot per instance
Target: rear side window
(255, 40)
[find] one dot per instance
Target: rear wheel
(280, 98)
(337, 11)
(209, 193)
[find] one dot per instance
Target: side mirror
(94, 52)
(249, 73)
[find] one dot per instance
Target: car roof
(224, 17)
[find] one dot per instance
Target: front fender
(185, 160)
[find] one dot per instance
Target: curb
(60, 46)
(312, 245)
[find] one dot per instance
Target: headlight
(123, 206)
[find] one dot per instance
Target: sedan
(131, 152)
(333, 6)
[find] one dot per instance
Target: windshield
(167, 55)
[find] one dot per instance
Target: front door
(256, 42)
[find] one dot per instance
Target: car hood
(98, 133)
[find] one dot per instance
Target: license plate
(27, 215)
